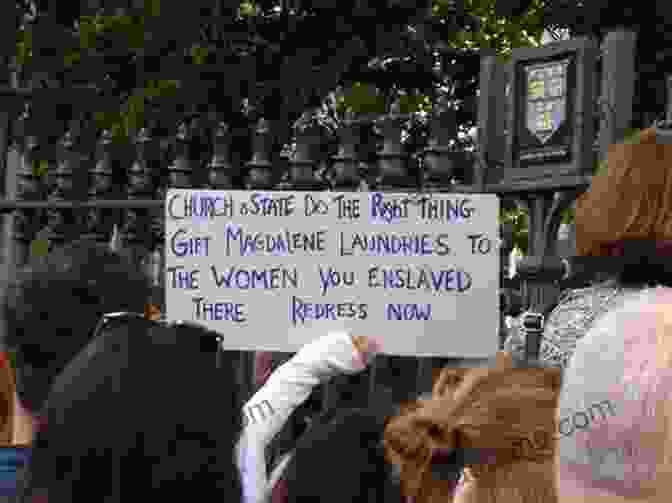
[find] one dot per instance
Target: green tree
(264, 53)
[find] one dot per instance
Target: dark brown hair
(51, 308)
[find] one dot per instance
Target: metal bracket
(663, 132)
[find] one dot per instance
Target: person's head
(341, 458)
(614, 415)
(496, 423)
(627, 210)
(51, 308)
(144, 412)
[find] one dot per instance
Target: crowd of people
(101, 400)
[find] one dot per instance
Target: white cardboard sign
(275, 270)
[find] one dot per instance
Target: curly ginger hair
(501, 411)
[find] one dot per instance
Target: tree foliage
(159, 59)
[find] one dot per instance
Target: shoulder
(571, 319)
(580, 307)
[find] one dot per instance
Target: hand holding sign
(366, 347)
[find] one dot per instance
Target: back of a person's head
(500, 422)
(342, 459)
(615, 435)
(630, 199)
(140, 415)
(51, 308)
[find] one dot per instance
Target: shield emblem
(546, 98)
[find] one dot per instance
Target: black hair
(295, 426)
(51, 308)
(138, 416)
(643, 266)
(343, 459)
(312, 413)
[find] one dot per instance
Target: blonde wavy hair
(504, 409)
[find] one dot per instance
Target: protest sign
(275, 270)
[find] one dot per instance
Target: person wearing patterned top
(569, 321)
(626, 212)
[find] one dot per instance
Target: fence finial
(115, 239)
(664, 127)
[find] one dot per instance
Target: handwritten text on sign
(275, 270)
